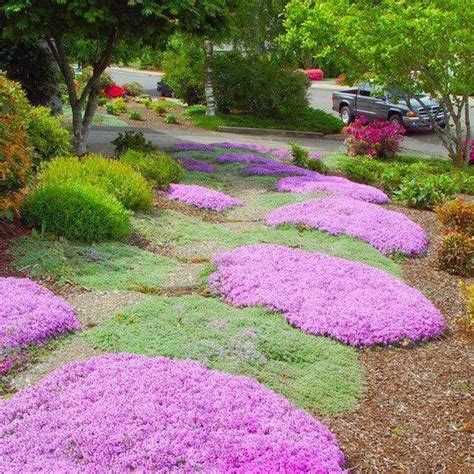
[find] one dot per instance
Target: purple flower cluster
(260, 165)
(31, 314)
(193, 146)
(322, 295)
(201, 197)
(284, 154)
(193, 164)
(387, 231)
(130, 413)
(333, 185)
(243, 146)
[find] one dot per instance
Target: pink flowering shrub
(379, 139)
(31, 314)
(387, 231)
(322, 295)
(201, 197)
(193, 164)
(333, 185)
(313, 74)
(129, 413)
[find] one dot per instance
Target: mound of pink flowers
(193, 164)
(31, 314)
(130, 413)
(387, 231)
(333, 185)
(322, 295)
(201, 197)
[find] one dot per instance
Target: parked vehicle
(164, 90)
(389, 104)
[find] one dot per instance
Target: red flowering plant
(379, 139)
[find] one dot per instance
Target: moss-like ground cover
(313, 372)
(100, 267)
(194, 238)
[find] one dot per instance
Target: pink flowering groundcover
(333, 185)
(31, 314)
(124, 413)
(194, 164)
(202, 197)
(388, 231)
(322, 295)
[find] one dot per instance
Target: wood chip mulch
(417, 414)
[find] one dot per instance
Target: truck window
(365, 90)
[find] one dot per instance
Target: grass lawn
(313, 372)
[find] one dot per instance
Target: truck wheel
(346, 115)
(396, 119)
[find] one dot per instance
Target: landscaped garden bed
(220, 271)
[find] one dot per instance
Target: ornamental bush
(379, 139)
(457, 216)
(133, 89)
(47, 136)
(116, 106)
(132, 140)
(260, 85)
(467, 321)
(426, 191)
(76, 211)
(15, 152)
(456, 254)
(158, 168)
(116, 178)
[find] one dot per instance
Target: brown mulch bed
(8, 232)
(417, 413)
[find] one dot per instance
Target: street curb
(270, 131)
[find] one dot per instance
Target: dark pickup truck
(377, 105)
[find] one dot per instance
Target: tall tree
(104, 24)
(416, 45)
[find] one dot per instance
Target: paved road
(320, 96)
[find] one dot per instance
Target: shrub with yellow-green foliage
(157, 167)
(15, 151)
(467, 320)
(76, 211)
(117, 178)
(47, 136)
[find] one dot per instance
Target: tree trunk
(83, 107)
(208, 87)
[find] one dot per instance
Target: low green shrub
(426, 192)
(135, 116)
(77, 212)
(144, 100)
(171, 119)
(47, 136)
(299, 155)
(133, 88)
(456, 254)
(101, 101)
(132, 141)
(362, 170)
(160, 107)
(158, 168)
(317, 165)
(116, 106)
(117, 178)
(197, 109)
